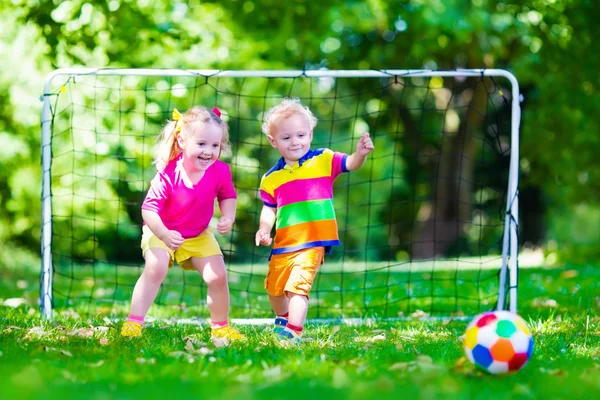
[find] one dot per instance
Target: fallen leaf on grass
(419, 314)
(189, 346)
(96, 364)
(340, 378)
(568, 274)
(15, 302)
(243, 378)
(141, 360)
(550, 303)
(102, 329)
(424, 359)
(372, 339)
(400, 366)
(36, 333)
(68, 375)
(523, 390)
(83, 332)
(553, 372)
(89, 332)
(273, 373)
(182, 354)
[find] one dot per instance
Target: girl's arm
(267, 220)
(172, 239)
(228, 208)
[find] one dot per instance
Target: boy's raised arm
(363, 148)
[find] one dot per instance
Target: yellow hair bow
(176, 116)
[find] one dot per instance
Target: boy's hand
(224, 225)
(172, 239)
(263, 237)
(364, 145)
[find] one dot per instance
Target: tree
(547, 44)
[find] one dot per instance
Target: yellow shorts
(203, 245)
(293, 272)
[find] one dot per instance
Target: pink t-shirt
(187, 208)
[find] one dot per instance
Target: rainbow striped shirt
(303, 196)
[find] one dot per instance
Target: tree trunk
(443, 219)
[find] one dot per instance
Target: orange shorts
(293, 272)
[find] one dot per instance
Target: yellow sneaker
(131, 329)
(224, 335)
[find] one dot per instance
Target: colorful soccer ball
(498, 342)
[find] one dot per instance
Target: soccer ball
(498, 342)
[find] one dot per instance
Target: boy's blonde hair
(167, 147)
(285, 109)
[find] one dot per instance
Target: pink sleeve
(226, 189)
(338, 164)
(157, 194)
(267, 199)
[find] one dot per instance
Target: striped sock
(280, 322)
(296, 329)
(219, 324)
(135, 318)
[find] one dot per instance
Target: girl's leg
(146, 288)
(214, 273)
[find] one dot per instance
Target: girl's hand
(173, 239)
(224, 225)
(364, 145)
(263, 237)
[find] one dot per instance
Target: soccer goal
(429, 226)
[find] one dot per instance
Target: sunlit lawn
(86, 358)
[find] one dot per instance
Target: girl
(177, 211)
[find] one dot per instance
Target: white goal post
(508, 274)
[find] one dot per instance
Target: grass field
(84, 357)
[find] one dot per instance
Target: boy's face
(292, 137)
(201, 146)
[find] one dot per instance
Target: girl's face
(201, 146)
(292, 137)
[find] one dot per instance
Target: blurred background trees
(550, 45)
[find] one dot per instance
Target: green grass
(86, 358)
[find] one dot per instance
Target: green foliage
(549, 45)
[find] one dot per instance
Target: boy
(298, 196)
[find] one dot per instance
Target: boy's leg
(275, 281)
(305, 266)
(280, 306)
(145, 291)
(298, 311)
